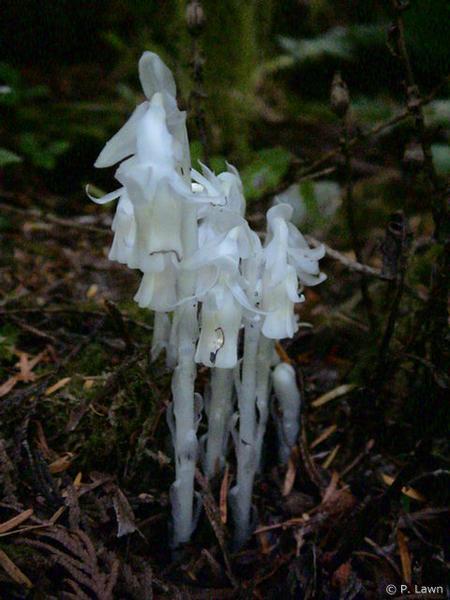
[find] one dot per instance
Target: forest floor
(85, 459)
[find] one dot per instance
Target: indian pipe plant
(208, 278)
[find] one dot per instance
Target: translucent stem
(246, 442)
(220, 410)
(263, 386)
(185, 419)
(288, 395)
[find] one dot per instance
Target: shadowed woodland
(340, 108)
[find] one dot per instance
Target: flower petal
(122, 144)
(107, 197)
(155, 76)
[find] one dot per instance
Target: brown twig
(372, 132)
(330, 252)
(213, 514)
(340, 102)
(397, 231)
(37, 214)
(436, 314)
(69, 309)
(350, 264)
(301, 172)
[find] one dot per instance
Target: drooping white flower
(148, 217)
(155, 78)
(124, 227)
(220, 288)
(219, 328)
(158, 289)
(288, 261)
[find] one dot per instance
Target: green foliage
(321, 200)
(437, 113)
(337, 43)
(26, 104)
(15, 91)
(371, 110)
(8, 340)
(333, 43)
(42, 153)
(265, 172)
(8, 158)
(441, 158)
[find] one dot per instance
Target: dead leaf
(331, 487)
(15, 521)
(8, 385)
(26, 366)
(341, 575)
(336, 500)
(124, 513)
(41, 442)
(13, 570)
(405, 557)
(223, 506)
(323, 436)
(263, 539)
(92, 291)
(62, 463)
(57, 386)
(25, 374)
(291, 472)
(331, 457)
(408, 491)
(282, 353)
(88, 384)
(341, 390)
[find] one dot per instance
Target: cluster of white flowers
(207, 276)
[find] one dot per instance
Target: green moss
(93, 360)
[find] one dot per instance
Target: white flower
(288, 260)
(278, 301)
(124, 227)
(219, 327)
(155, 78)
(224, 189)
(220, 287)
(158, 289)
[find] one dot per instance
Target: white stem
(185, 438)
(288, 395)
(246, 443)
(161, 334)
(220, 409)
(263, 386)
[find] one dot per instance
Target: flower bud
(339, 97)
(195, 17)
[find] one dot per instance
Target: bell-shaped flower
(124, 227)
(220, 287)
(156, 190)
(288, 261)
(155, 78)
(278, 301)
(220, 322)
(224, 190)
(226, 207)
(158, 289)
